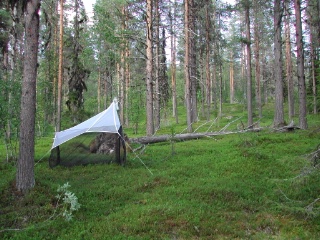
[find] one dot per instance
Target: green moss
(245, 186)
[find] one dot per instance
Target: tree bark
(257, 57)
(214, 80)
(231, 78)
(300, 70)
(60, 76)
(187, 68)
(56, 67)
(313, 74)
(249, 72)
(180, 137)
(218, 60)
(278, 115)
(173, 63)
(122, 80)
(313, 10)
(99, 86)
(220, 85)
(127, 78)
(163, 80)
(208, 50)
(264, 78)
(149, 80)
(289, 62)
(157, 67)
(25, 167)
(193, 59)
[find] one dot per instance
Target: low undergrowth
(255, 185)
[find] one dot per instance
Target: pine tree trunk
(300, 70)
(121, 85)
(149, 79)
(314, 35)
(264, 78)
(289, 62)
(99, 86)
(231, 79)
(278, 115)
(127, 79)
(313, 74)
(220, 87)
(202, 79)
(249, 74)
(25, 167)
(218, 65)
(56, 69)
(243, 60)
(173, 64)
(257, 58)
(122, 80)
(60, 76)
(157, 67)
(208, 50)
(187, 68)
(192, 61)
(214, 83)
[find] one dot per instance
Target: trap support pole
(120, 142)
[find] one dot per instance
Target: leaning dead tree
(314, 157)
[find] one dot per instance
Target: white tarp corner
(106, 121)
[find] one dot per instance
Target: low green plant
(68, 201)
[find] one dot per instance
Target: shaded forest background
(154, 55)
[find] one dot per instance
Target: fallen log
(289, 128)
(181, 137)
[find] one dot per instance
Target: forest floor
(252, 185)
